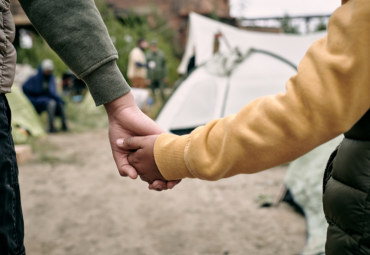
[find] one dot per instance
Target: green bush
(120, 30)
(40, 51)
(287, 26)
(135, 27)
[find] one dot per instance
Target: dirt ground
(75, 203)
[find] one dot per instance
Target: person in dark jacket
(41, 91)
(157, 70)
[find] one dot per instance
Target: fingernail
(159, 188)
(120, 141)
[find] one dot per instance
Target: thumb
(131, 143)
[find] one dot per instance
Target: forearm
(327, 97)
(76, 32)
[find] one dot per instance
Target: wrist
(120, 104)
(106, 83)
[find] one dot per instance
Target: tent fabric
(33, 88)
(304, 180)
(210, 93)
(195, 102)
(201, 33)
(23, 116)
(237, 74)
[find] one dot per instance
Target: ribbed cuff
(106, 83)
(169, 156)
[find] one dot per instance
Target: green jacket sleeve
(75, 30)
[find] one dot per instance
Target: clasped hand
(134, 156)
(142, 158)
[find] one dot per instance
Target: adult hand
(127, 120)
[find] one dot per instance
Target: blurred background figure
(157, 70)
(216, 42)
(41, 91)
(72, 86)
(137, 66)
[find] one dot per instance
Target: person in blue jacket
(41, 91)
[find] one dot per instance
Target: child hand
(142, 157)
(158, 185)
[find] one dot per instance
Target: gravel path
(75, 203)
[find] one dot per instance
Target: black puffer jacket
(8, 55)
(347, 193)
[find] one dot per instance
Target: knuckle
(139, 154)
(145, 179)
(134, 159)
(129, 158)
(129, 142)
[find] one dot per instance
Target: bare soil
(75, 203)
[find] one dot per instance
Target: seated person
(41, 91)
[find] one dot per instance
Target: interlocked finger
(131, 143)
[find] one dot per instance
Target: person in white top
(137, 66)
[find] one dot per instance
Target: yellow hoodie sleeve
(329, 94)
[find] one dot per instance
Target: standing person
(42, 92)
(329, 96)
(157, 71)
(76, 32)
(137, 65)
(216, 42)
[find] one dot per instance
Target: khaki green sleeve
(75, 30)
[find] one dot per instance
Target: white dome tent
(248, 65)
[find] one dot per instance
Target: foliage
(38, 53)
(214, 16)
(321, 26)
(287, 26)
(124, 33)
(81, 118)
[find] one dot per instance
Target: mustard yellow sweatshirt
(329, 94)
